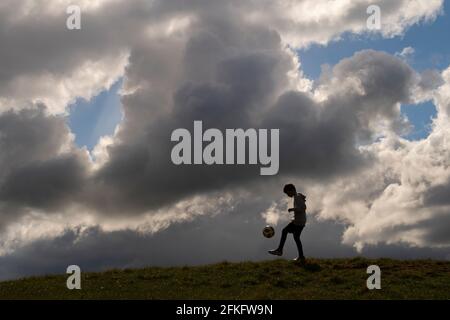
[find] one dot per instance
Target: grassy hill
(276, 279)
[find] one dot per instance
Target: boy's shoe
(276, 252)
(300, 260)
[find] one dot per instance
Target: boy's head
(290, 190)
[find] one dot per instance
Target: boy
(296, 225)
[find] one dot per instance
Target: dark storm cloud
(317, 140)
(36, 171)
(45, 185)
(437, 230)
(28, 136)
(438, 195)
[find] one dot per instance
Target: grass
(276, 279)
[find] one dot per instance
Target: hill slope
(279, 279)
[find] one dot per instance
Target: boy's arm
(299, 205)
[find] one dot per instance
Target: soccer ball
(268, 232)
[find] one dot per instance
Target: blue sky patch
(90, 120)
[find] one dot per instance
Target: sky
(86, 118)
(92, 119)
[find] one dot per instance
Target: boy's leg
(284, 233)
(296, 234)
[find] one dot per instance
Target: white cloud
(57, 91)
(407, 53)
(387, 202)
(302, 23)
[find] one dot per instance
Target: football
(268, 231)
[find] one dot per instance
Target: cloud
(41, 168)
(316, 131)
(43, 62)
(303, 23)
(407, 53)
(55, 65)
(231, 64)
(400, 199)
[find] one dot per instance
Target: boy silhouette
(296, 225)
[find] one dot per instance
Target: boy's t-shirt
(300, 209)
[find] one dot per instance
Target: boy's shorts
(294, 228)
